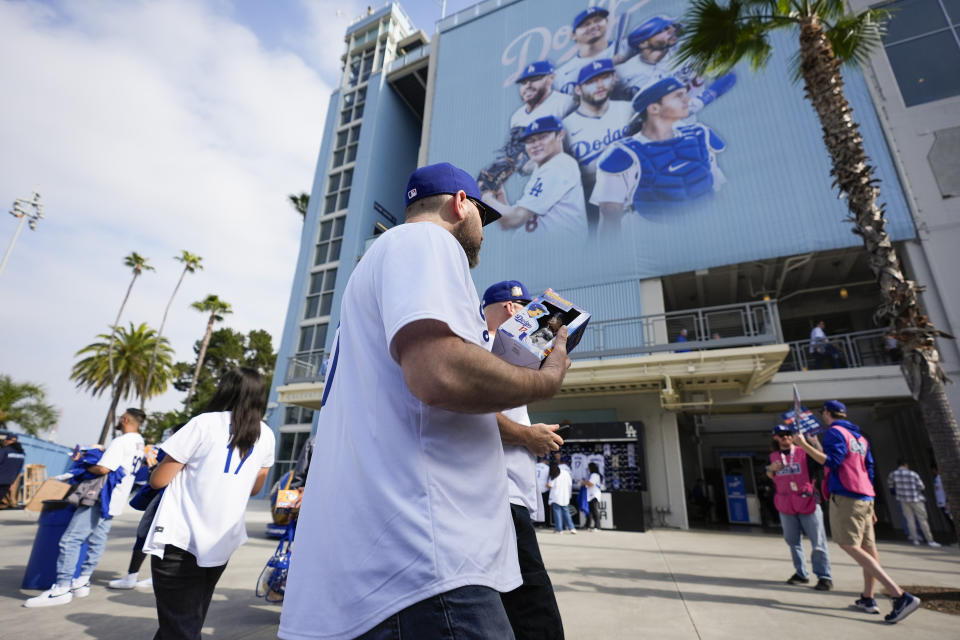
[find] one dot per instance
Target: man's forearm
(511, 432)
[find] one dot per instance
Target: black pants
(593, 518)
(183, 591)
(531, 607)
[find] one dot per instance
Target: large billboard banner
(611, 160)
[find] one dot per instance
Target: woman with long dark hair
(212, 467)
(594, 485)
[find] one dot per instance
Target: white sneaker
(573, 531)
(145, 584)
(933, 543)
(52, 597)
(915, 543)
(128, 581)
(80, 587)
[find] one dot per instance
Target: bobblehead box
(527, 338)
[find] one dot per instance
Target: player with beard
(596, 124)
(590, 34)
(539, 99)
(414, 388)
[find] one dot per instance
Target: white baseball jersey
(202, 509)
(125, 451)
(418, 494)
(589, 136)
(522, 471)
(543, 474)
(568, 73)
(561, 487)
(555, 104)
(619, 187)
(637, 75)
(554, 194)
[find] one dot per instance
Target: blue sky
(156, 127)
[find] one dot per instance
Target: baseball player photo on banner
(588, 131)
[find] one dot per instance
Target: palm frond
(828, 10)
(854, 37)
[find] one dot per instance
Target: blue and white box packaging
(527, 338)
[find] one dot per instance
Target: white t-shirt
(202, 509)
(522, 470)
(125, 451)
(588, 136)
(543, 474)
(594, 491)
(569, 71)
(555, 104)
(554, 194)
(418, 494)
(561, 487)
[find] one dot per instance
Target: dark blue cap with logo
(594, 69)
(506, 291)
(536, 69)
(444, 178)
(586, 13)
(542, 125)
(656, 92)
(648, 29)
(835, 406)
(782, 428)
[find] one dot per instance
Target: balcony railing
(725, 326)
(306, 368)
(856, 349)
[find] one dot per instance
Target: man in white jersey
(91, 524)
(665, 162)
(532, 607)
(412, 460)
(539, 99)
(590, 34)
(552, 199)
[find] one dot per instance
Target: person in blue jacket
(11, 462)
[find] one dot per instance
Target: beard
(469, 241)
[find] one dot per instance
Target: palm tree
(191, 264)
(25, 404)
(717, 36)
(217, 308)
(138, 264)
(130, 350)
(300, 203)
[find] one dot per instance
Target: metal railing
(856, 349)
(724, 326)
(409, 58)
(306, 368)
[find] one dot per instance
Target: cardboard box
(50, 490)
(527, 338)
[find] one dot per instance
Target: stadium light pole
(22, 210)
(443, 8)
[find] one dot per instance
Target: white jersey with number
(404, 501)
(588, 136)
(569, 71)
(125, 451)
(522, 470)
(202, 509)
(554, 194)
(556, 104)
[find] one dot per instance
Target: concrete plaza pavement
(664, 583)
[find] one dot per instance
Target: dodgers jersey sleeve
(266, 433)
(424, 277)
(549, 184)
(618, 173)
(115, 455)
(183, 445)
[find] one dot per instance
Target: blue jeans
(811, 525)
(86, 523)
(467, 613)
(561, 517)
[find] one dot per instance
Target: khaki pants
(914, 511)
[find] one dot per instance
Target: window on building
(320, 295)
(297, 415)
(290, 446)
(923, 45)
(329, 242)
(367, 66)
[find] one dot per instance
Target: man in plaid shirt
(906, 485)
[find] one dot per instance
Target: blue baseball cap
(506, 291)
(542, 125)
(444, 178)
(586, 13)
(655, 92)
(835, 406)
(647, 29)
(594, 69)
(782, 428)
(536, 69)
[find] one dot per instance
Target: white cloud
(148, 127)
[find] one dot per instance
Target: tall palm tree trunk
(163, 322)
(900, 309)
(200, 357)
(113, 374)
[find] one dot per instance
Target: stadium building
(735, 238)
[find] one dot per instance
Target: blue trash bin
(41, 570)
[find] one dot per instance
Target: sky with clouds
(155, 127)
